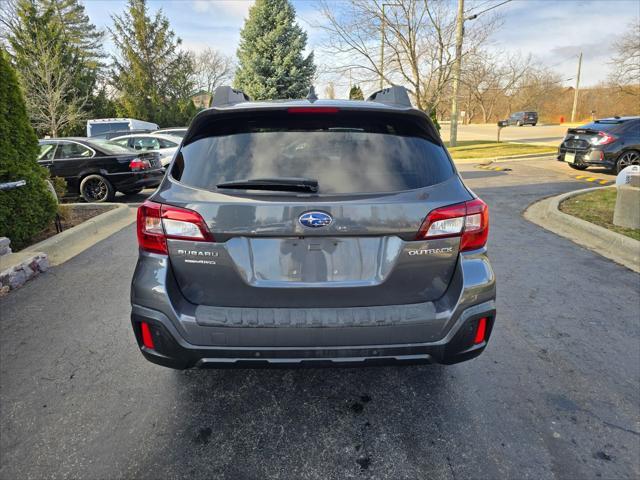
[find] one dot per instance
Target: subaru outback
(312, 233)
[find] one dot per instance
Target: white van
(101, 127)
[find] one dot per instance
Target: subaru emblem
(315, 219)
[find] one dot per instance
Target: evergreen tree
(153, 78)
(356, 93)
(434, 118)
(29, 209)
(87, 39)
(270, 55)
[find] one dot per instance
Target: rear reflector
(147, 339)
(481, 331)
(157, 223)
(312, 110)
(468, 220)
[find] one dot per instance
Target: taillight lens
(138, 164)
(603, 138)
(157, 223)
(468, 220)
(313, 110)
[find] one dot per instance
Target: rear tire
(95, 189)
(578, 167)
(533, 124)
(630, 157)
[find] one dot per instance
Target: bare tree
(419, 37)
(53, 101)
(488, 78)
(212, 69)
(626, 62)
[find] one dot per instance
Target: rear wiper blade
(282, 184)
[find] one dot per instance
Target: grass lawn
(597, 207)
(488, 149)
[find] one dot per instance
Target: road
(540, 134)
(554, 396)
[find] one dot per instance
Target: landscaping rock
(21, 270)
(5, 246)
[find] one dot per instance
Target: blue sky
(554, 31)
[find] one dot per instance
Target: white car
(165, 145)
(175, 131)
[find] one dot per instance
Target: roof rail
(225, 95)
(395, 95)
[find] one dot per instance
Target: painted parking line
(600, 181)
(495, 169)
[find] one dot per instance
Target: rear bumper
(433, 332)
(171, 350)
(135, 180)
(590, 157)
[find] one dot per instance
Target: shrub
(26, 210)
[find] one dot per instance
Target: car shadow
(250, 423)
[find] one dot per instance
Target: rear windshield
(111, 148)
(345, 152)
(603, 125)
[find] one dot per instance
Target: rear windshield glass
(345, 152)
(110, 147)
(603, 125)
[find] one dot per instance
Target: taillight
(157, 223)
(312, 110)
(468, 220)
(138, 164)
(603, 138)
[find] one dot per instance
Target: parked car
(612, 143)
(101, 127)
(164, 145)
(312, 232)
(175, 131)
(523, 118)
(120, 133)
(95, 169)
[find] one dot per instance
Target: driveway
(554, 396)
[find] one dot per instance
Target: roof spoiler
(395, 95)
(225, 95)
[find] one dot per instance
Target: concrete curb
(615, 246)
(71, 242)
(508, 158)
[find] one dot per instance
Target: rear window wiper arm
(282, 184)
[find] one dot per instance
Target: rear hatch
(582, 138)
(313, 207)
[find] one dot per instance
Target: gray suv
(312, 233)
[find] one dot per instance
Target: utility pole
(575, 93)
(453, 137)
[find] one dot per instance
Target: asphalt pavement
(556, 395)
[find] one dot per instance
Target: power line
(476, 15)
(479, 5)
